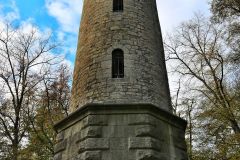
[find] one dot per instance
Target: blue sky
(62, 17)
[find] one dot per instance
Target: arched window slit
(117, 5)
(117, 64)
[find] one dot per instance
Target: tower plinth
(121, 107)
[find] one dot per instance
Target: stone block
(58, 156)
(60, 136)
(113, 28)
(150, 155)
(120, 133)
(181, 154)
(114, 131)
(94, 120)
(94, 144)
(91, 132)
(118, 155)
(144, 143)
(146, 131)
(179, 138)
(141, 119)
(90, 155)
(77, 137)
(178, 133)
(118, 143)
(117, 120)
(61, 146)
(180, 143)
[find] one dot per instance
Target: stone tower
(121, 107)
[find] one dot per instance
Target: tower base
(121, 132)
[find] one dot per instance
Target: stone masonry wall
(136, 31)
(121, 133)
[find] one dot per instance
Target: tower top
(120, 56)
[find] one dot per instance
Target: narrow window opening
(117, 64)
(117, 5)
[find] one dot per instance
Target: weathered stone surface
(144, 143)
(90, 155)
(146, 131)
(127, 118)
(93, 120)
(141, 134)
(143, 119)
(137, 32)
(94, 144)
(181, 154)
(91, 132)
(150, 155)
(115, 131)
(58, 156)
(118, 143)
(60, 137)
(118, 155)
(61, 146)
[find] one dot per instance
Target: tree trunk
(235, 126)
(15, 151)
(16, 134)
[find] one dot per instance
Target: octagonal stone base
(121, 132)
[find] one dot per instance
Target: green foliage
(52, 106)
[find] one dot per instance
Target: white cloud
(66, 12)
(12, 14)
(68, 43)
(173, 12)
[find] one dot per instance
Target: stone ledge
(89, 132)
(103, 109)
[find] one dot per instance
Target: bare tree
(184, 106)
(199, 49)
(24, 60)
(52, 106)
(201, 57)
(223, 9)
(228, 12)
